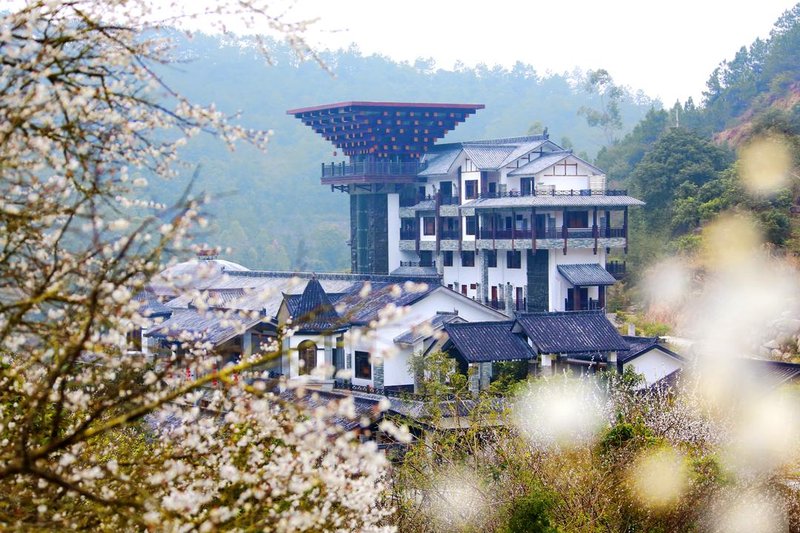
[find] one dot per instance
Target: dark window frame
(467, 258)
(491, 258)
(513, 259)
(360, 363)
(470, 189)
(577, 219)
(447, 259)
(472, 225)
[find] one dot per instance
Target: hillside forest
(270, 211)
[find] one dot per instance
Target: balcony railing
(612, 232)
(372, 168)
(449, 200)
(580, 233)
(618, 269)
(556, 192)
(412, 201)
(551, 233)
(569, 305)
(450, 235)
(417, 263)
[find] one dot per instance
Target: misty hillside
(683, 162)
(270, 209)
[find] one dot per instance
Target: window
(491, 258)
(429, 225)
(470, 189)
(525, 186)
(363, 368)
(468, 259)
(408, 229)
(577, 219)
(448, 259)
(307, 357)
(426, 258)
(514, 259)
(471, 225)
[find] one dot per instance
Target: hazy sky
(667, 49)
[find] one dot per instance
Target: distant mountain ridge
(270, 209)
(682, 161)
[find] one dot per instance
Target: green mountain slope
(270, 209)
(684, 161)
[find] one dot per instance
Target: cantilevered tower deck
(384, 143)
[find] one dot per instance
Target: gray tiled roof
(365, 406)
(540, 163)
(571, 332)
(359, 310)
(416, 271)
(586, 274)
(558, 200)
(219, 298)
(150, 306)
(522, 139)
(488, 156)
(773, 373)
(637, 346)
(525, 147)
(425, 205)
(481, 342)
(417, 333)
(440, 161)
(313, 311)
(211, 326)
(264, 290)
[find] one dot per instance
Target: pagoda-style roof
(384, 129)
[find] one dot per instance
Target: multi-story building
(518, 223)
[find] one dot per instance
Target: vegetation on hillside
(265, 205)
(694, 162)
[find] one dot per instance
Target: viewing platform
(371, 171)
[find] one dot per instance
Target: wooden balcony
(618, 269)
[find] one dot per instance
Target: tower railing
(372, 168)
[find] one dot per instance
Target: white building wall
(564, 182)
(502, 274)
(469, 176)
(654, 365)
(290, 351)
(393, 214)
(380, 342)
(458, 275)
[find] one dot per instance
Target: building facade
(516, 223)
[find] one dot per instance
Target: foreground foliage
(659, 461)
(93, 436)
